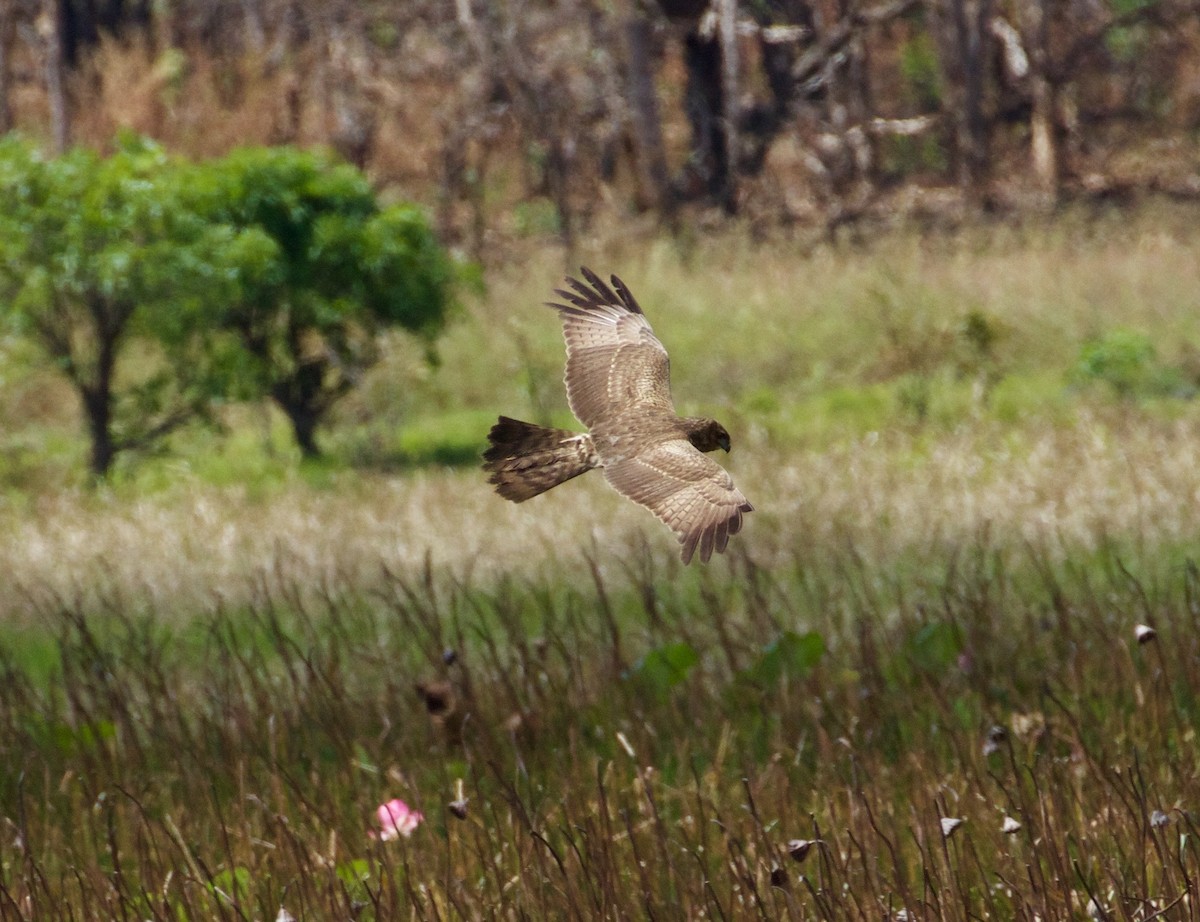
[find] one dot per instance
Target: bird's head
(708, 435)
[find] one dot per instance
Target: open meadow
(949, 670)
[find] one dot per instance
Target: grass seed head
(950, 824)
(458, 806)
(799, 848)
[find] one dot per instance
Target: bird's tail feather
(525, 459)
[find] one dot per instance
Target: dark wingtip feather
(689, 547)
(627, 296)
(580, 295)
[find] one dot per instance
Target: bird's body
(618, 385)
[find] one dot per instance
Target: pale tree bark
(1042, 121)
(348, 72)
(49, 28)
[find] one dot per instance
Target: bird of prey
(619, 387)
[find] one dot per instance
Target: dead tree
(528, 62)
(8, 36)
(49, 33)
(649, 153)
(965, 36)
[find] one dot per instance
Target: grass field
(973, 458)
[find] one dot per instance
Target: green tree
(103, 268)
(336, 269)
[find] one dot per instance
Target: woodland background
(531, 117)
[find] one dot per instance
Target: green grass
(999, 321)
(629, 745)
(970, 487)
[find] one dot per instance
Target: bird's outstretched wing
(615, 363)
(688, 491)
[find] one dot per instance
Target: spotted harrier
(619, 386)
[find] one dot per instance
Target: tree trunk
(727, 37)
(1042, 117)
(705, 105)
(97, 406)
(8, 31)
(1043, 148)
(303, 399)
(108, 326)
(650, 159)
(304, 427)
(50, 29)
(968, 20)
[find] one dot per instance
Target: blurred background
(539, 118)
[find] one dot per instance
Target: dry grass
(629, 745)
(759, 338)
(209, 688)
(1067, 488)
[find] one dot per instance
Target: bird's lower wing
(688, 491)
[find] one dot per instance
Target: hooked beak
(723, 441)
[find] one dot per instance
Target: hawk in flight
(619, 386)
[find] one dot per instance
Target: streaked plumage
(618, 385)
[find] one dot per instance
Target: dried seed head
(1029, 727)
(1158, 819)
(779, 878)
(949, 824)
(624, 741)
(438, 697)
(995, 736)
(458, 806)
(449, 656)
(1010, 826)
(799, 848)
(1144, 633)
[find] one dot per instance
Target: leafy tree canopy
(268, 273)
(330, 269)
(97, 253)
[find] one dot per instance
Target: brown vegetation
(531, 117)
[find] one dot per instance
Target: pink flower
(397, 819)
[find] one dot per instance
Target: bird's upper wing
(615, 363)
(688, 491)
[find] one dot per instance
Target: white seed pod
(1009, 826)
(1144, 633)
(799, 848)
(949, 824)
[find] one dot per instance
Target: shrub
(1127, 361)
